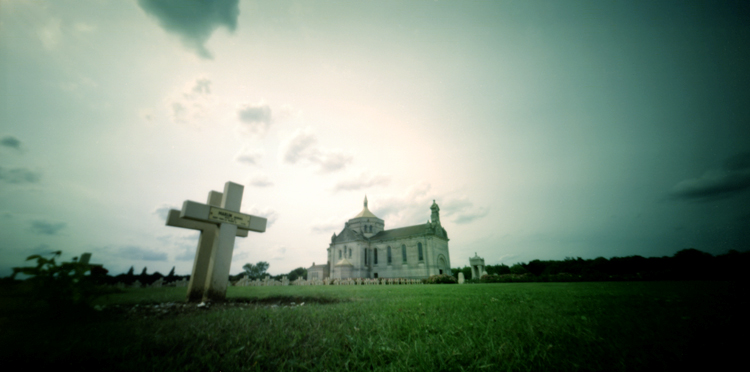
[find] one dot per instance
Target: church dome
(365, 212)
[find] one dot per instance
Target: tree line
(687, 264)
(253, 271)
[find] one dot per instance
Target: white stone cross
(206, 242)
(216, 244)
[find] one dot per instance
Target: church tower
(435, 213)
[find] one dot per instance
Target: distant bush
(508, 278)
(62, 285)
(441, 279)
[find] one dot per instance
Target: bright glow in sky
(543, 129)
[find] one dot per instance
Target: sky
(542, 129)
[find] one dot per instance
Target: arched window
(350, 253)
(375, 256)
(403, 251)
(365, 256)
(339, 254)
(370, 228)
(419, 247)
(389, 255)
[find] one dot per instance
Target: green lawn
(518, 326)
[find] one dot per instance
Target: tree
(130, 272)
(171, 273)
(256, 271)
(299, 272)
(143, 273)
(518, 269)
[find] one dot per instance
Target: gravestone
(461, 278)
(220, 222)
(158, 284)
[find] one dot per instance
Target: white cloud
(278, 253)
(50, 34)
(330, 226)
(249, 156)
(413, 207)
(162, 211)
(256, 119)
(260, 181)
(302, 147)
(193, 103)
(83, 27)
(269, 214)
(362, 181)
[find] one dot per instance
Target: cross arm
(206, 213)
(173, 219)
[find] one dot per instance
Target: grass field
(507, 327)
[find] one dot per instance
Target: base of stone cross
(195, 295)
(213, 296)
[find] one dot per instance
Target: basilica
(365, 249)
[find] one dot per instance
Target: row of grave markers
(157, 284)
(247, 282)
(267, 281)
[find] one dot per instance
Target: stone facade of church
(365, 249)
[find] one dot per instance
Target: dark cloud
(462, 210)
(471, 215)
(10, 141)
(303, 147)
(18, 175)
(729, 180)
(46, 228)
(193, 20)
(138, 253)
(255, 118)
(42, 250)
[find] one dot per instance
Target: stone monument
(477, 266)
(460, 278)
(219, 222)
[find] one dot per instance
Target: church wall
(413, 268)
(439, 247)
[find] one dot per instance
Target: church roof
(346, 235)
(365, 212)
(401, 232)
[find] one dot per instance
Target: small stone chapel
(365, 249)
